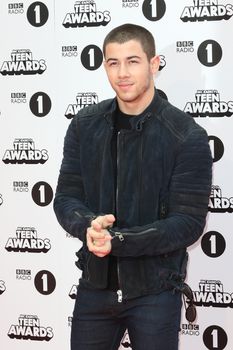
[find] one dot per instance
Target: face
(131, 75)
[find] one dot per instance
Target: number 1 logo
(37, 14)
(215, 338)
(154, 10)
(209, 53)
(45, 282)
(40, 104)
(42, 193)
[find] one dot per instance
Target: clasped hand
(98, 237)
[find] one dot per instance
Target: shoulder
(103, 107)
(178, 122)
(91, 116)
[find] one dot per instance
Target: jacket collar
(137, 123)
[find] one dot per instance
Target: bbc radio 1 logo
(91, 56)
(24, 152)
(42, 192)
(86, 14)
(130, 3)
(206, 10)
(208, 103)
(211, 293)
(22, 62)
(37, 12)
(40, 103)
(214, 336)
(83, 99)
(27, 240)
(2, 287)
(44, 280)
(209, 52)
(218, 203)
(29, 328)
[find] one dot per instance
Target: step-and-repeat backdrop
(50, 68)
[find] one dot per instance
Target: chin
(127, 97)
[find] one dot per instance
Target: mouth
(124, 85)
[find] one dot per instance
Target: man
(133, 187)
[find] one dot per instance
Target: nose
(123, 70)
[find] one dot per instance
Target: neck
(137, 106)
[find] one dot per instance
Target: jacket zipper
(121, 235)
(119, 291)
(140, 182)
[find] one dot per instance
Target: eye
(112, 63)
(133, 61)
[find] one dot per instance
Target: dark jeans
(99, 321)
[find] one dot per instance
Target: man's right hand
(98, 237)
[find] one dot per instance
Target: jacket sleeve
(187, 205)
(69, 202)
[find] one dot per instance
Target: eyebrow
(128, 58)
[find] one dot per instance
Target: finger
(95, 234)
(88, 238)
(103, 221)
(97, 225)
(105, 237)
(99, 242)
(101, 255)
(108, 220)
(108, 237)
(105, 249)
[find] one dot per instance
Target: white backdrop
(50, 67)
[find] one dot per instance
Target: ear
(154, 63)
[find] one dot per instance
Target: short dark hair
(128, 31)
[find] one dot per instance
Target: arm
(69, 207)
(69, 203)
(187, 205)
